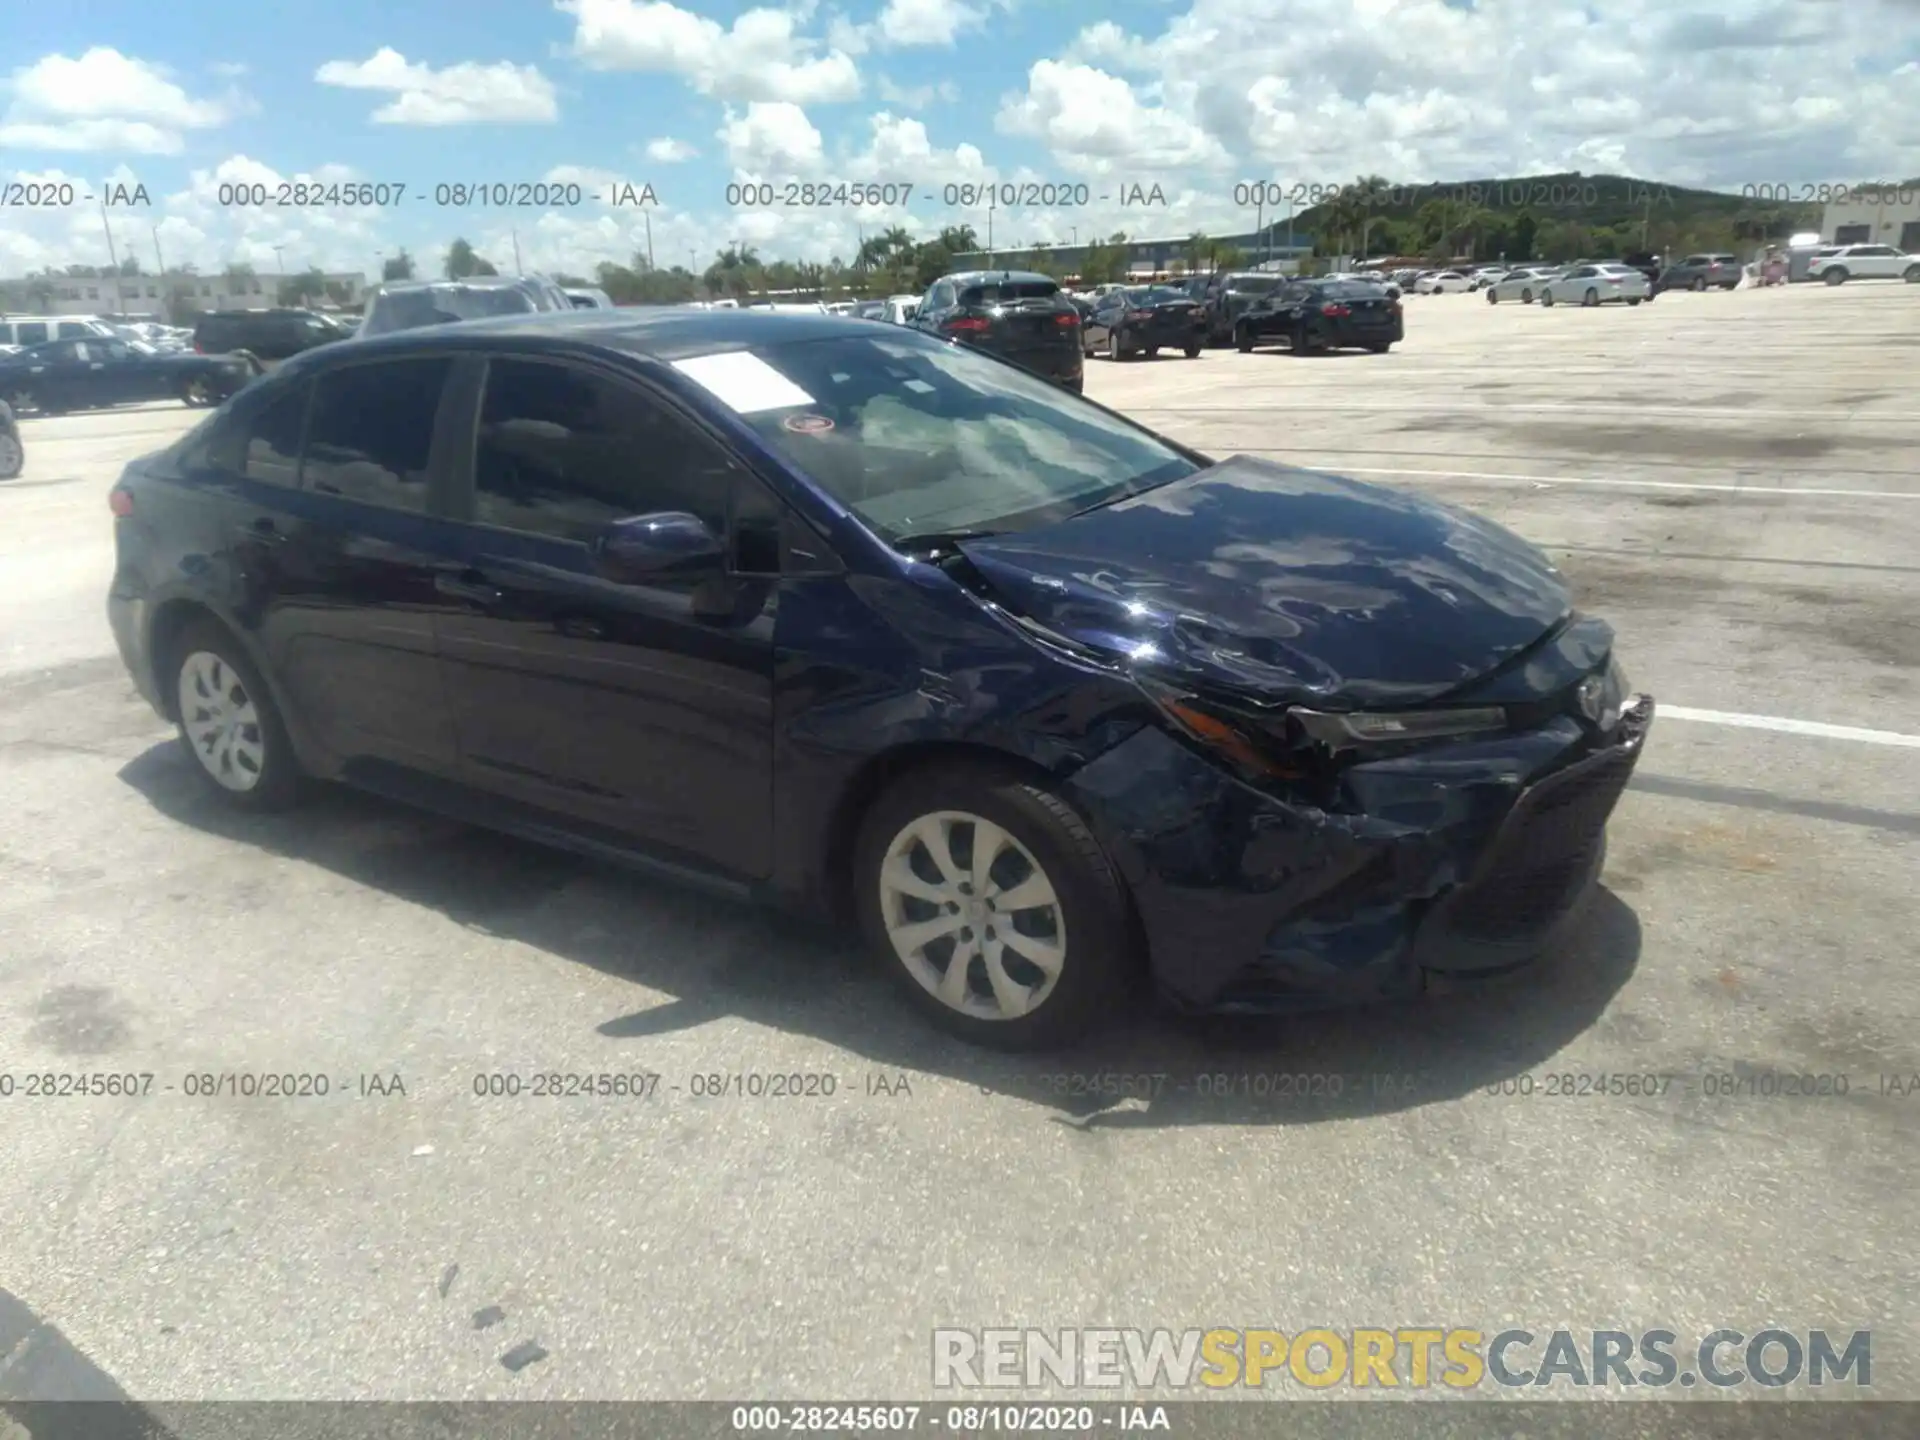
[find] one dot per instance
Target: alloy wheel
(222, 725)
(972, 915)
(197, 391)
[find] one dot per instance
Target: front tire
(1381, 347)
(13, 455)
(1243, 340)
(1912, 277)
(228, 723)
(1492, 299)
(1592, 297)
(1526, 297)
(1546, 298)
(1114, 352)
(1835, 277)
(1633, 300)
(1192, 352)
(939, 858)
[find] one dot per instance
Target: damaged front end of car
(1284, 857)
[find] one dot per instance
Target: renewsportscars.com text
(1397, 1358)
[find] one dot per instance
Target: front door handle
(468, 585)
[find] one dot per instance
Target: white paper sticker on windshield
(744, 383)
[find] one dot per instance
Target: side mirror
(643, 546)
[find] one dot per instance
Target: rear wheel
(1912, 277)
(1243, 340)
(1526, 297)
(1546, 298)
(1835, 277)
(1492, 299)
(1380, 347)
(1592, 297)
(1192, 352)
(228, 722)
(1699, 282)
(1633, 300)
(993, 906)
(1114, 352)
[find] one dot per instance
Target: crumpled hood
(1285, 584)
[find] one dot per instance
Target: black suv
(1019, 316)
(1227, 296)
(411, 304)
(268, 335)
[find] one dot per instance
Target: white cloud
(762, 57)
(463, 94)
(926, 22)
(772, 138)
(103, 100)
(918, 97)
(1094, 121)
(668, 151)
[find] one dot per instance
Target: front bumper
(1468, 859)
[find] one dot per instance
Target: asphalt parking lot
(1731, 478)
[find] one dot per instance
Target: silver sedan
(1596, 285)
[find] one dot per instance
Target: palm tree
(1368, 195)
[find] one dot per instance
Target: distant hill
(1553, 216)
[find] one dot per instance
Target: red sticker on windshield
(807, 424)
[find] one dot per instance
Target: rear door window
(370, 436)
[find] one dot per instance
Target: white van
(26, 330)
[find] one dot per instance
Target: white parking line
(1755, 490)
(1789, 727)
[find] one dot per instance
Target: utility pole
(159, 259)
(516, 251)
(648, 216)
(280, 260)
(119, 295)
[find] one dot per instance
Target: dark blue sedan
(854, 619)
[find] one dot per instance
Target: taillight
(1066, 319)
(196, 348)
(120, 502)
(1336, 311)
(967, 324)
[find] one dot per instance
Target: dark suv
(269, 336)
(1701, 272)
(1021, 317)
(411, 304)
(1226, 297)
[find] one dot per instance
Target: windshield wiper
(938, 539)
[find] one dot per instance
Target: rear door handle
(468, 585)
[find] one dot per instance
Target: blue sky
(1191, 96)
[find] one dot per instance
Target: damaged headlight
(1381, 727)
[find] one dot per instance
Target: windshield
(441, 305)
(920, 437)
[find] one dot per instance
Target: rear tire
(1243, 340)
(1075, 944)
(1699, 282)
(227, 721)
(1114, 352)
(1912, 277)
(1526, 297)
(13, 455)
(1631, 300)
(1592, 297)
(1835, 277)
(1546, 298)
(1192, 352)
(1381, 347)
(1492, 299)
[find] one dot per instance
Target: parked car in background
(270, 336)
(411, 304)
(902, 308)
(585, 297)
(1864, 262)
(1521, 285)
(1368, 277)
(1145, 319)
(1443, 282)
(64, 375)
(1649, 265)
(790, 307)
(13, 454)
(1225, 296)
(25, 330)
(1701, 272)
(870, 310)
(1020, 316)
(873, 633)
(1484, 276)
(1323, 314)
(1595, 285)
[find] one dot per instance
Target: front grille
(1538, 862)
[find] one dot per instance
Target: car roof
(475, 282)
(668, 333)
(977, 277)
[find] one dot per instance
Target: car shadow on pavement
(724, 959)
